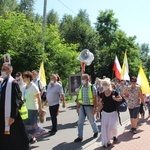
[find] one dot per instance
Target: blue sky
(133, 15)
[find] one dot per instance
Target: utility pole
(44, 21)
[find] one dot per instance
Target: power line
(67, 7)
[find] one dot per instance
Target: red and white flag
(117, 68)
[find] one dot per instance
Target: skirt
(109, 123)
(31, 124)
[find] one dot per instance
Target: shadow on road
(72, 107)
(64, 126)
(33, 147)
(71, 146)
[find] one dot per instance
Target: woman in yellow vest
(86, 106)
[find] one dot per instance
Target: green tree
(113, 41)
(23, 40)
(60, 55)
(106, 26)
(27, 7)
(7, 5)
(52, 18)
(76, 30)
(38, 18)
(145, 57)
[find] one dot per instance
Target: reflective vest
(90, 95)
(23, 112)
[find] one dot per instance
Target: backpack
(43, 97)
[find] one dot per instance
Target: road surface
(67, 131)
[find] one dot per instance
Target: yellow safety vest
(23, 112)
(90, 95)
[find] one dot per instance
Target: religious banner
(74, 83)
(7, 59)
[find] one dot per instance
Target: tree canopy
(22, 37)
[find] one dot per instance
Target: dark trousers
(53, 112)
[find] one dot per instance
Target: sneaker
(115, 140)
(131, 130)
(78, 140)
(134, 131)
(95, 135)
(32, 140)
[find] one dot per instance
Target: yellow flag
(143, 82)
(125, 69)
(42, 76)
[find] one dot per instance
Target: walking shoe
(78, 140)
(131, 130)
(115, 140)
(104, 146)
(95, 135)
(134, 131)
(32, 140)
(52, 133)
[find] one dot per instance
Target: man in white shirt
(54, 95)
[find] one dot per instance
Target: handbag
(122, 106)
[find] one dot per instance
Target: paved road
(67, 131)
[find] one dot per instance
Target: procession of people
(98, 101)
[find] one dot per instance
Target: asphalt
(67, 131)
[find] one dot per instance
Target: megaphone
(86, 56)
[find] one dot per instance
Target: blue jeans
(83, 112)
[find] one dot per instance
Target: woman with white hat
(109, 120)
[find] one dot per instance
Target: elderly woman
(32, 98)
(109, 120)
(134, 97)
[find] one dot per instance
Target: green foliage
(114, 41)
(76, 30)
(27, 7)
(61, 56)
(23, 40)
(21, 35)
(7, 5)
(52, 18)
(145, 57)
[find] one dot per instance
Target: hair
(106, 81)
(9, 66)
(54, 75)
(133, 79)
(19, 73)
(58, 77)
(28, 74)
(35, 71)
(113, 85)
(86, 75)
